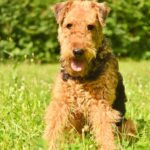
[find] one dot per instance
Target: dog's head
(80, 33)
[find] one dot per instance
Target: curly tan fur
(85, 92)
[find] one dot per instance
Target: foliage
(22, 106)
(128, 26)
(28, 29)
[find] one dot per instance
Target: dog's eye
(90, 27)
(69, 26)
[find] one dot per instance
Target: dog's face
(80, 33)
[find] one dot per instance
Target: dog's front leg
(56, 118)
(102, 117)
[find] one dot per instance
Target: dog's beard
(77, 67)
(74, 67)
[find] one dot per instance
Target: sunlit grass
(25, 93)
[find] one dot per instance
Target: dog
(89, 89)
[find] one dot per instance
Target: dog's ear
(103, 11)
(60, 10)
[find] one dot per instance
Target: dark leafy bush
(128, 27)
(28, 29)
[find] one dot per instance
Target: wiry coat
(95, 95)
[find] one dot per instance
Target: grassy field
(25, 93)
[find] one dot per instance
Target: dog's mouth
(77, 65)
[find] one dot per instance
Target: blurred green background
(28, 30)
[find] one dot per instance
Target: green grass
(25, 93)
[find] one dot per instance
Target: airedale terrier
(89, 89)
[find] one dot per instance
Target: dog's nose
(78, 52)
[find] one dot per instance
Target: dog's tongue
(77, 65)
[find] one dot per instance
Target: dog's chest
(83, 95)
